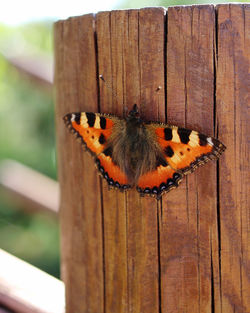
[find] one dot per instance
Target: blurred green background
(27, 131)
(27, 135)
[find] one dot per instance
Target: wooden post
(190, 251)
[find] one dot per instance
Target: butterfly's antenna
(108, 86)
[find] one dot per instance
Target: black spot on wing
(108, 151)
(91, 119)
(67, 118)
(77, 118)
(184, 134)
(161, 162)
(168, 133)
(102, 139)
(202, 140)
(103, 122)
(169, 151)
(177, 176)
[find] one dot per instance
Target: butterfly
(150, 156)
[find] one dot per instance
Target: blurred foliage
(27, 135)
(167, 3)
(37, 35)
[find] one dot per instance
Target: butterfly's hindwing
(111, 172)
(158, 182)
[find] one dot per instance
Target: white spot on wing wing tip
(72, 117)
(97, 122)
(209, 140)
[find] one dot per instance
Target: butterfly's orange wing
(94, 130)
(183, 150)
(160, 181)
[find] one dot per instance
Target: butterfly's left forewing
(94, 129)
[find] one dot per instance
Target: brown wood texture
(188, 252)
(233, 99)
(80, 205)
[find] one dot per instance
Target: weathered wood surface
(189, 252)
(233, 99)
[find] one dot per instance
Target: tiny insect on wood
(149, 156)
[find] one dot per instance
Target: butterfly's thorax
(136, 132)
(134, 149)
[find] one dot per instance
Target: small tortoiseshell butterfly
(153, 157)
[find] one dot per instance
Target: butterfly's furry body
(134, 148)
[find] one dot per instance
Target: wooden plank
(24, 288)
(80, 210)
(189, 238)
(39, 193)
(125, 60)
(233, 89)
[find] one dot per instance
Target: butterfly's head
(134, 113)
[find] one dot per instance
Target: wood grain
(190, 251)
(233, 90)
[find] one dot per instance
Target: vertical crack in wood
(100, 179)
(198, 240)
(77, 60)
(216, 130)
(127, 254)
(215, 60)
(114, 96)
(215, 133)
(159, 207)
(97, 63)
(241, 218)
(165, 62)
(103, 247)
(139, 53)
(185, 83)
(219, 227)
(212, 279)
(244, 6)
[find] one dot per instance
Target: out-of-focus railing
(24, 288)
(30, 189)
